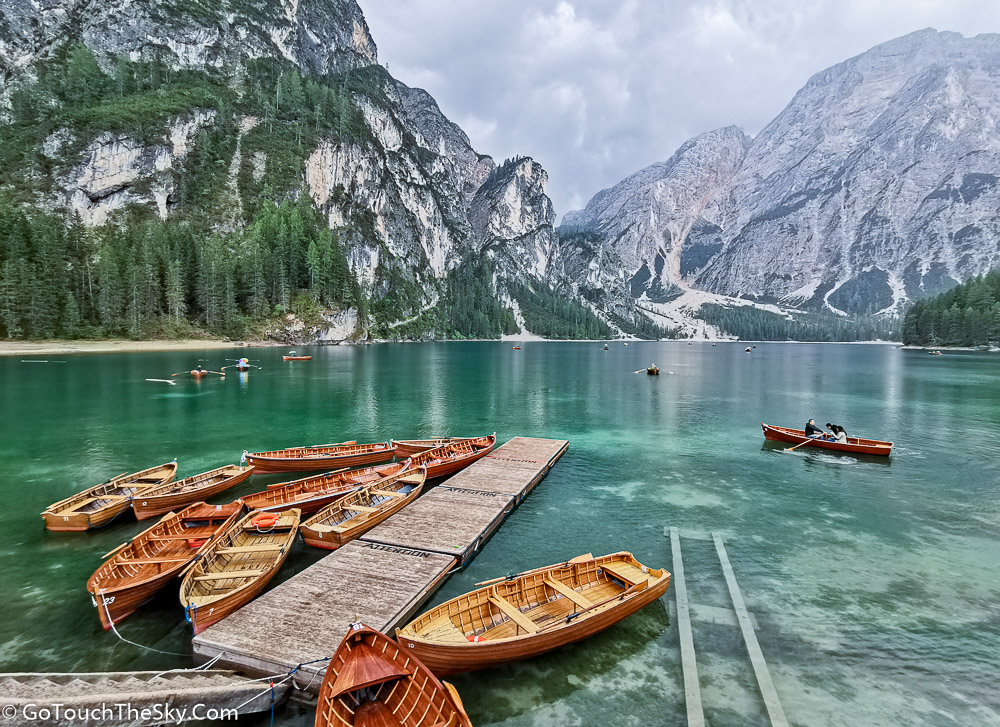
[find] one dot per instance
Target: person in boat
(839, 434)
(198, 368)
(813, 431)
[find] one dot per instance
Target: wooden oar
(569, 617)
(112, 552)
(801, 444)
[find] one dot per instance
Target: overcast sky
(596, 89)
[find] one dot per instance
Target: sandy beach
(59, 347)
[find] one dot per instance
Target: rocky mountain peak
(317, 35)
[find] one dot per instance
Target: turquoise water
(876, 585)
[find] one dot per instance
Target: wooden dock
(384, 577)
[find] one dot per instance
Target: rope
(100, 595)
(207, 665)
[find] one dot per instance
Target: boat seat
(578, 598)
(622, 573)
(249, 548)
(513, 614)
(360, 508)
(143, 561)
(387, 493)
(230, 575)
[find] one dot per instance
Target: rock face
(877, 185)
(316, 35)
(409, 196)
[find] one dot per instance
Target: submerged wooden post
(689, 664)
(767, 690)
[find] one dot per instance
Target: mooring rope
(100, 594)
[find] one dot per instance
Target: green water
(876, 586)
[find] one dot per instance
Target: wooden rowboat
(296, 358)
(450, 458)
(653, 371)
(532, 613)
(854, 445)
(99, 505)
(175, 495)
(237, 566)
(372, 682)
(145, 564)
(324, 457)
(356, 514)
(410, 447)
(311, 494)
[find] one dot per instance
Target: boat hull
(567, 617)
(156, 505)
(175, 533)
(268, 464)
(71, 515)
(854, 445)
(438, 468)
(410, 447)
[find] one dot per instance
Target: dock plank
(306, 616)
(385, 576)
(448, 520)
(689, 662)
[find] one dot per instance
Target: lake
(876, 585)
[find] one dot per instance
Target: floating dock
(382, 578)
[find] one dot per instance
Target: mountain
(250, 169)
(876, 186)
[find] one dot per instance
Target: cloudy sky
(596, 89)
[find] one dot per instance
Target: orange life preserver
(265, 520)
(196, 542)
(473, 639)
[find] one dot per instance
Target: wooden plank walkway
(306, 616)
(448, 520)
(382, 578)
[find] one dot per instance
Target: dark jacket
(813, 429)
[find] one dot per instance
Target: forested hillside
(753, 324)
(966, 315)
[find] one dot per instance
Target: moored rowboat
(174, 495)
(324, 457)
(450, 458)
(532, 613)
(854, 445)
(372, 682)
(99, 505)
(410, 447)
(296, 358)
(144, 565)
(311, 494)
(356, 514)
(237, 566)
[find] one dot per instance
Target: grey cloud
(594, 90)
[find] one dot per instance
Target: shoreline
(115, 345)
(66, 347)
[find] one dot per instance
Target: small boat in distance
(353, 516)
(451, 458)
(177, 494)
(653, 370)
(372, 682)
(935, 353)
(854, 445)
(237, 566)
(605, 347)
(138, 569)
(320, 457)
(292, 356)
(99, 505)
(516, 348)
(531, 613)
(410, 447)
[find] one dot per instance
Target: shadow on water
(813, 455)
